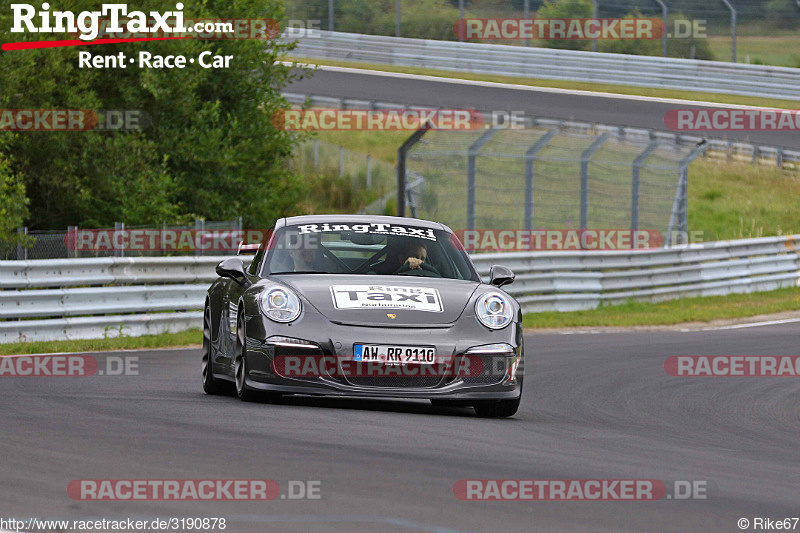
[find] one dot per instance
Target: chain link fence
(549, 178)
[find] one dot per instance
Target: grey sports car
(367, 306)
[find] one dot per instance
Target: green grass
(584, 86)
(739, 200)
(165, 340)
(779, 50)
(671, 312)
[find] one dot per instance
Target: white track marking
(756, 324)
(529, 88)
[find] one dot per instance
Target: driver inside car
(414, 254)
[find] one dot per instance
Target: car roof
(362, 219)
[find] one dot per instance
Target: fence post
(530, 161)
(472, 156)
(119, 227)
(331, 26)
(199, 227)
(665, 17)
(585, 158)
(402, 154)
(596, 15)
(341, 161)
(22, 251)
(397, 17)
(73, 231)
(733, 29)
(680, 205)
(369, 171)
(460, 18)
(637, 168)
(527, 15)
(316, 154)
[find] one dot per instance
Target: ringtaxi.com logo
(66, 366)
(192, 490)
(578, 490)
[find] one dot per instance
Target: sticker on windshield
(378, 229)
(386, 297)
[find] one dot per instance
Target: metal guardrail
(717, 148)
(570, 281)
(108, 297)
(553, 64)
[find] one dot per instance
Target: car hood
(386, 301)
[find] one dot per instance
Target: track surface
(595, 406)
(447, 94)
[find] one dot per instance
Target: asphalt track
(567, 105)
(595, 407)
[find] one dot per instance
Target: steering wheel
(429, 271)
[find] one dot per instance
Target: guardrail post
(472, 156)
(530, 161)
(22, 251)
(665, 17)
(402, 154)
(637, 168)
(585, 158)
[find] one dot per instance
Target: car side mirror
(233, 268)
(500, 275)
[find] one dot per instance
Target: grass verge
(164, 340)
(558, 84)
(704, 309)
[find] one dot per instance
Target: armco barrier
(108, 297)
(553, 64)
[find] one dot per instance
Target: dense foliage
(210, 151)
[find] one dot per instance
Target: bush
(562, 9)
(783, 13)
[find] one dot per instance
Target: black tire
(211, 385)
(240, 370)
(497, 408)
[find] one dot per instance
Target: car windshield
(364, 248)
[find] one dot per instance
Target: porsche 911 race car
(365, 306)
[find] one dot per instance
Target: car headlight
(279, 304)
(494, 310)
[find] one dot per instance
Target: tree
(210, 150)
(562, 9)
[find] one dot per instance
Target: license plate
(393, 354)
